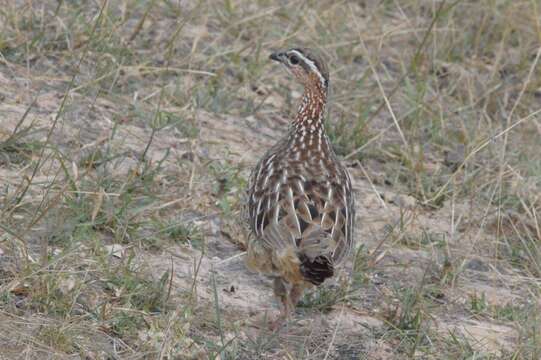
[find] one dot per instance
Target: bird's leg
(281, 293)
(295, 294)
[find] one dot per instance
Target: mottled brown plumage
(300, 203)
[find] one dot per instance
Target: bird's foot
(278, 322)
(266, 321)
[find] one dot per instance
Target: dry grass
(127, 130)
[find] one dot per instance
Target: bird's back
(300, 209)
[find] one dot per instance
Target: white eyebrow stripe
(311, 64)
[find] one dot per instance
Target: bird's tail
(316, 270)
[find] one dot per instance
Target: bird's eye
(294, 60)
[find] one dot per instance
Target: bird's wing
(314, 217)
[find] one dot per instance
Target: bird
(300, 205)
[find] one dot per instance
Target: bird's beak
(277, 56)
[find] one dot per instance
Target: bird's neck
(311, 113)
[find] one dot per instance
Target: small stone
(189, 156)
(454, 158)
(477, 265)
(404, 201)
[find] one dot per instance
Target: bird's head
(307, 67)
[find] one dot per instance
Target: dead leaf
(115, 250)
(66, 285)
